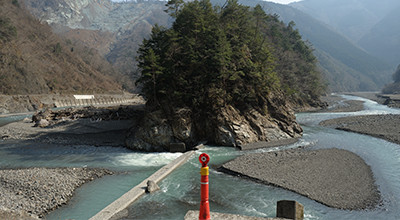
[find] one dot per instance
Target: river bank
(381, 126)
(79, 126)
(33, 192)
(336, 178)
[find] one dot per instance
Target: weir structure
(286, 209)
(128, 198)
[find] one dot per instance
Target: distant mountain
(352, 18)
(345, 66)
(118, 27)
(33, 60)
(372, 25)
(383, 39)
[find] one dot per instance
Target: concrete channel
(128, 198)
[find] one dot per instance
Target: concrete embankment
(29, 103)
(93, 102)
(128, 198)
(194, 215)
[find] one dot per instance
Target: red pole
(204, 204)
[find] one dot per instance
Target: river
(180, 190)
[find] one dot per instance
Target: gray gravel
(36, 191)
(338, 104)
(334, 177)
(382, 126)
(71, 132)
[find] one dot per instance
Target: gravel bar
(334, 177)
(381, 126)
(37, 191)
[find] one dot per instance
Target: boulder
(152, 186)
(42, 123)
(27, 120)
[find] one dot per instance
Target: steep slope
(338, 57)
(383, 40)
(34, 60)
(119, 27)
(352, 18)
(131, 21)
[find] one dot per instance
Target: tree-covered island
(225, 75)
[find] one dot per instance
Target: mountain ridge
(341, 58)
(34, 60)
(372, 25)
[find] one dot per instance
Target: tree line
(214, 56)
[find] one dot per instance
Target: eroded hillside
(34, 60)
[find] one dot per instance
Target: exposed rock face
(70, 13)
(228, 127)
(156, 132)
(238, 129)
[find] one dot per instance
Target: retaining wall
(94, 102)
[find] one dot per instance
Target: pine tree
(213, 57)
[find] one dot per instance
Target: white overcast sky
(283, 1)
(276, 1)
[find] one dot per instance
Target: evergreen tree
(213, 57)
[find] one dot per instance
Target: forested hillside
(34, 60)
(345, 66)
(114, 29)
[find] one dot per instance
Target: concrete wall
(94, 102)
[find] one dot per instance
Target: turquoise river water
(180, 190)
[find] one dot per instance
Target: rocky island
(221, 85)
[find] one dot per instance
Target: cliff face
(158, 130)
(69, 13)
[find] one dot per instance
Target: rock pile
(50, 117)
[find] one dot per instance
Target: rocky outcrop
(237, 129)
(156, 132)
(227, 126)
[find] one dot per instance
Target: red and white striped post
(204, 204)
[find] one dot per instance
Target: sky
(283, 1)
(276, 1)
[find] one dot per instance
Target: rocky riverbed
(33, 192)
(338, 104)
(381, 126)
(336, 178)
(80, 126)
